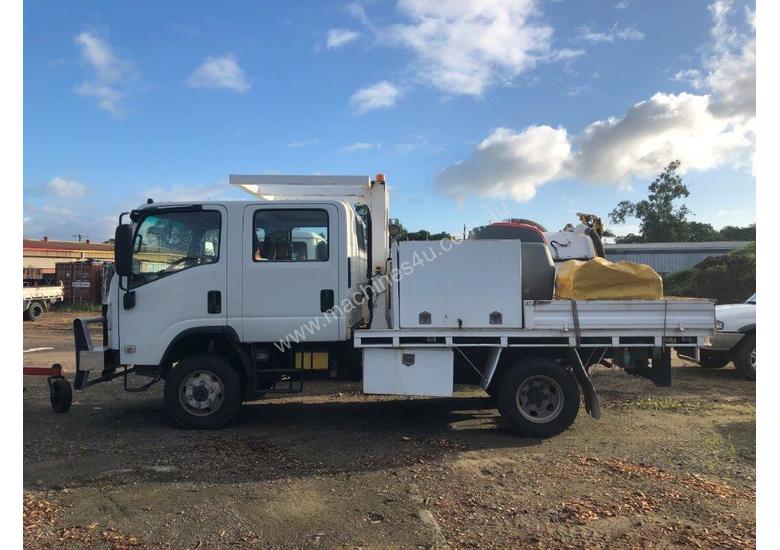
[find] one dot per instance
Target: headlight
(718, 325)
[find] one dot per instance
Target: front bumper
(725, 341)
(91, 358)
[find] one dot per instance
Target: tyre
(34, 312)
(538, 397)
(60, 395)
(712, 360)
(203, 392)
(745, 357)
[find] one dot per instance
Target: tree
(660, 220)
(733, 233)
(631, 238)
(421, 235)
(700, 232)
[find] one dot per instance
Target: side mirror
(123, 250)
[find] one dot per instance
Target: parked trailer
(216, 300)
(38, 299)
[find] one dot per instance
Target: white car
(735, 338)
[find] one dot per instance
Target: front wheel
(745, 357)
(203, 391)
(538, 397)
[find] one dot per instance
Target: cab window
(360, 233)
(166, 243)
(290, 235)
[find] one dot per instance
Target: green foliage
(728, 279)
(661, 221)
(421, 235)
(699, 232)
(733, 233)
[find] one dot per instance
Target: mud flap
(661, 373)
(592, 403)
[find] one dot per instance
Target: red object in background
(55, 371)
(510, 230)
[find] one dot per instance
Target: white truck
(38, 299)
(734, 339)
(216, 298)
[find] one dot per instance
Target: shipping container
(82, 281)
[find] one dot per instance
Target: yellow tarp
(600, 279)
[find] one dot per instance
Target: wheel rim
(753, 359)
(36, 311)
(539, 399)
(201, 393)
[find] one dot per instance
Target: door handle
(214, 301)
(326, 299)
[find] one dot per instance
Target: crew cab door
(178, 280)
(291, 273)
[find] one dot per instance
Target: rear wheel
(34, 312)
(203, 391)
(538, 397)
(745, 357)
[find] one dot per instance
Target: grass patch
(722, 443)
(656, 404)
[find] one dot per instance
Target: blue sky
(474, 111)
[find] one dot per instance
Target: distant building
(41, 255)
(668, 258)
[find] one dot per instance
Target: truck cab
(244, 283)
(256, 271)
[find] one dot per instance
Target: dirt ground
(663, 468)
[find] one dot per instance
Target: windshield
(170, 242)
(751, 300)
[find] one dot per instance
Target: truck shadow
(274, 439)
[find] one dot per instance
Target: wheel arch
(512, 356)
(222, 340)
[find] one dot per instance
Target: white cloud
(615, 33)
(509, 163)
(219, 72)
(381, 95)
(340, 37)
(182, 193)
(112, 75)
(730, 213)
(466, 47)
(703, 131)
(656, 131)
(302, 143)
(66, 189)
(419, 140)
(732, 64)
(61, 223)
(59, 187)
(574, 91)
(360, 146)
(622, 5)
(108, 97)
